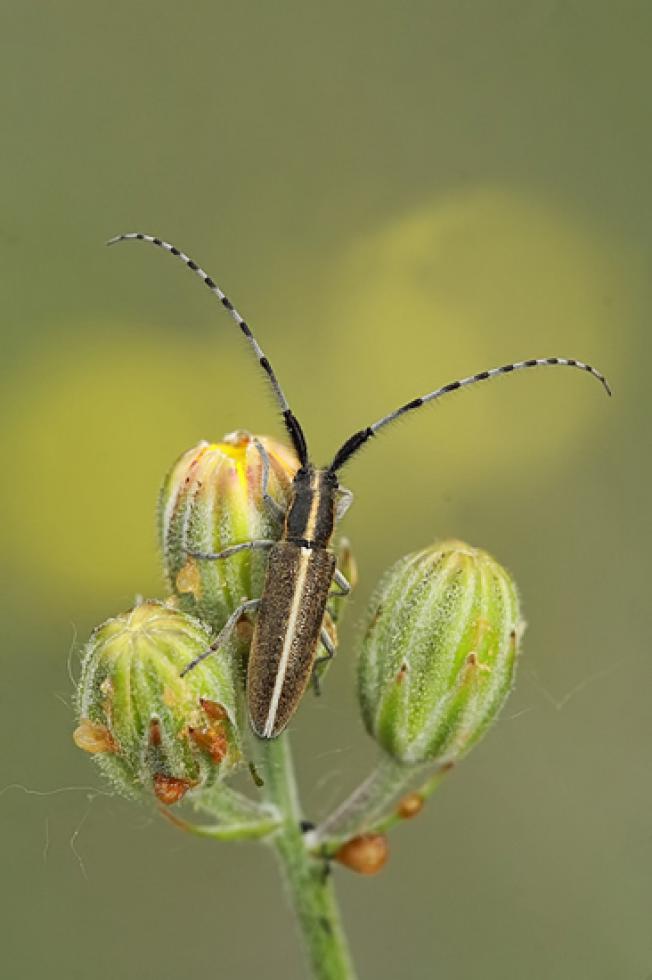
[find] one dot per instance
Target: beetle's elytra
(288, 626)
(301, 569)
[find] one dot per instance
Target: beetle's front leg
(261, 544)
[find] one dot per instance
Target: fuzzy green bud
(438, 653)
(150, 729)
(212, 499)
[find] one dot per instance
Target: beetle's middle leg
(344, 578)
(343, 585)
(224, 634)
(330, 653)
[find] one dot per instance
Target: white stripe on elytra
(287, 644)
(304, 560)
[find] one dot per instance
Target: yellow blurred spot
(92, 425)
(465, 283)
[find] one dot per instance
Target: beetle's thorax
(310, 518)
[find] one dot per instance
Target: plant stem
(307, 879)
(238, 817)
(233, 808)
(368, 803)
(223, 831)
(371, 808)
(425, 790)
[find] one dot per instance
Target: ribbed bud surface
(149, 728)
(212, 499)
(438, 652)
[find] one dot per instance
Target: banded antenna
(291, 422)
(358, 439)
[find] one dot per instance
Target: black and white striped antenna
(358, 439)
(291, 422)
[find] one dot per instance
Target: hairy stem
(372, 807)
(238, 817)
(307, 879)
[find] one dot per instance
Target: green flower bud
(438, 653)
(149, 728)
(212, 499)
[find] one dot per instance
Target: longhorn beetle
(301, 568)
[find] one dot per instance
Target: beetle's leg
(224, 634)
(344, 586)
(274, 509)
(344, 580)
(330, 653)
(257, 778)
(344, 501)
(262, 544)
(346, 561)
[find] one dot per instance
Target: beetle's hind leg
(334, 609)
(224, 634)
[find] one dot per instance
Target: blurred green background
(395, 196)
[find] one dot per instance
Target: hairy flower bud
(149, 728)
(438, 652)
(212, 499)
